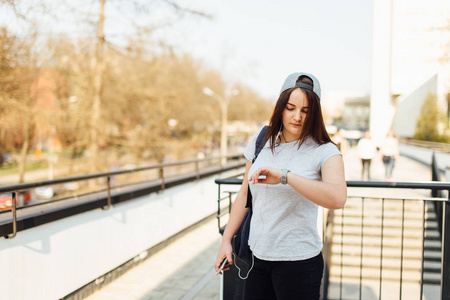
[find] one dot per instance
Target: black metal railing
(436, 176)
(200, 168)
(382, 247)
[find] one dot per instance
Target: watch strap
(283, 175)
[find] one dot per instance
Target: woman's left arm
(331, 192)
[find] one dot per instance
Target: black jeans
(285, 280)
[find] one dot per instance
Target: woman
(366, 152)
(339, 141)
(390, 153)
(298, 169)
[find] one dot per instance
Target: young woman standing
(298, 170)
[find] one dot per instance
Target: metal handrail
(24, 186)
(36, 184)
(14, 213)
(369, 184)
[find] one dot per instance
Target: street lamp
(223, 101)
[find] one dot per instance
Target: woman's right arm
(238, 211)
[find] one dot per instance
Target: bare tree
(99, 67)
(18, 71)
(99, 72)
(117, 96)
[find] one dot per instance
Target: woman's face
(294, 115)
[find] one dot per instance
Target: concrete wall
(409, 106)
(53, 260)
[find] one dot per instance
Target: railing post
(230, 202)
(445, 233)
(108, 183)
(445, 275)
(327, 240)
(14, 213)
(161, 175)
(197, 170)
(218, 207)
(435, 176)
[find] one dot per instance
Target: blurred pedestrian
(366, 152)
(37, 153)
(390, 153)
(297, 170)
(339, 141)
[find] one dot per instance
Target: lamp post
(223, 102)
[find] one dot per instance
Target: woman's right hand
(236, 216)
(225, 251)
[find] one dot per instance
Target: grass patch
(14, 169)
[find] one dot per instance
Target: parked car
(44, 193)
(8, 159)
(22, 199)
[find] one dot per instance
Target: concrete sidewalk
(405, 168)
(184, 270)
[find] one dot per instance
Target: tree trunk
(98, 83)
(23, 153)
(2, 150)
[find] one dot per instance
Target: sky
(255, 42)
(261, 42)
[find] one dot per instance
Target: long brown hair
(313, 125)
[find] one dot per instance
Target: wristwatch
(283, 175)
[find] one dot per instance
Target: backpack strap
(260, 142)
(258, 147)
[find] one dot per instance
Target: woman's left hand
(266, 175)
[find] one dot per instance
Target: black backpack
(241, 249)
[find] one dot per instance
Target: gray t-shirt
(284, 223)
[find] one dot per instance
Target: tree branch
(13, 5)
(180, 9)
